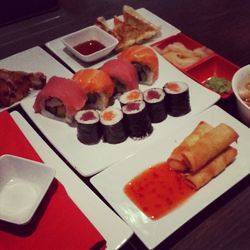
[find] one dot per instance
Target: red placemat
(58, 223)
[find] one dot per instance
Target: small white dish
(241, 77)
(23, 184)
(88, 34)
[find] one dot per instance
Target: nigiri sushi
(145, 61)
(61, 98)
(98, 86)
(123, 74)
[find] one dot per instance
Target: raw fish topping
(152, 94)
(88, 116)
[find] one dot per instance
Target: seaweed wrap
(137, 120)
(177, 98)
(112, 125)
(155, 103)
(88, 126)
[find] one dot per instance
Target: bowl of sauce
(90, 44)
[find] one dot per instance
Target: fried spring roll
(209, 146)
(176, 160)
(212, 169)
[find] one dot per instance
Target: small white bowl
(87, 34)
(23, 184)
(241, 77)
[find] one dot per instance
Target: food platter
(83, 157)
(117, 233)
(59, 49)
(153, 232)
(24, 61)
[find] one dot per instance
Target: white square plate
(117, 233)
(34, 60)
(23, 184)
(110, 182)
(84, 157)
(57, 46)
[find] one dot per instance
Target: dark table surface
(223, 26)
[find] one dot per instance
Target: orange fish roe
(108, 116)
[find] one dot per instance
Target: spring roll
(209, 146)
(212, 169)
(176, 160)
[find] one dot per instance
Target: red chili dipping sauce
(89, 47)
(158, 190)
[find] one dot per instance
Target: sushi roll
(88, 126)
(131, 96)
(145, 61)
(60, 99)
(177, 98)
(155, 103)
(97, 85)
(112, 125)
(122, 73)
(137, 120)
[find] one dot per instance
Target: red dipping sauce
(89, 47)
(158, 190)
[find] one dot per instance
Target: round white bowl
(241, 77)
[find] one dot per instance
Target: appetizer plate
(117, 232)
(57, 46)
(19, 176)
(153, 232)
(34, 60)
(83, 157)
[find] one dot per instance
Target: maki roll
(177, 98)
(112, 125)
(88, 126)
(137, 120)
(131, 96)
(122, 73)
(145, 61)
(155, 103)
(97, 85)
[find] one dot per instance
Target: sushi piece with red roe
(88, 126)
(112, 125)
(97, 85)
(155, 103)
(177, 98)
(123, 74)
(137, 120)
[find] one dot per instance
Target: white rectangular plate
(113, 229)
(57, 46)
(111, 181)
(34, 60)
(89, 160)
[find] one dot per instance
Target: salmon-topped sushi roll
(97, 85)
(123, 74)
(145, 61)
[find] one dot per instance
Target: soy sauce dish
(23, 184)
(90, 44)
